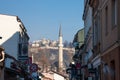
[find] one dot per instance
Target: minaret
(60, 47)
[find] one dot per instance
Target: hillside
(49, 56)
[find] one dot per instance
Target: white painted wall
(88, 25)
(9, 28)
(58, 77)
(88, 20)
(9, 31)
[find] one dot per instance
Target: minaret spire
(60, 31)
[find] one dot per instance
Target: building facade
(110, 47)
(88, 43)
(14, 41)
(75, 69)
(100, 52)
(105, 20)
(96, 24)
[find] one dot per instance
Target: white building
(58, 77)
(52, 75)
(14, 39)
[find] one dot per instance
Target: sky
(42, 18)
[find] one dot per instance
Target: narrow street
(60, 40)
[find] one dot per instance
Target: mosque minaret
(60, 47)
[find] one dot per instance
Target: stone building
(106, 38)
(110, 39)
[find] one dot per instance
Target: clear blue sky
(42, 18)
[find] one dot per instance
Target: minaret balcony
(60, 45)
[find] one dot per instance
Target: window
(96, 31)
(19, 49)
(99, 72)
(112, 65)
(106, 20)
(114, 20)
(105, 71)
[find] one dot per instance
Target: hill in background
(46, 55)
